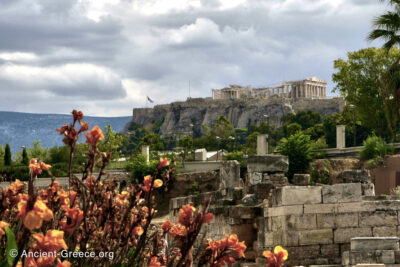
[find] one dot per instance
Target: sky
(105, 56)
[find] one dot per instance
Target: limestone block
(301, 222)
(283, 210)
(350, 207)
(378, 218)
(383, 231)
(345, 258)
(255, 178)
(312, 237)
(330, 251)
(278, 223)
(376, 256)
(370, 265)
(301, 179)
(268, 163)
(343, 235)
(294, 195)
(374, 243)
(229, 174)
(272, 239)
(278, 178)
(301, 253)
(320, 208)
(339, 220)
(368, 189)
(355, 176)
(341, 193)
(262, 190)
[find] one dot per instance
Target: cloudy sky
(106, 56)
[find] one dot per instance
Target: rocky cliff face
(184, 117)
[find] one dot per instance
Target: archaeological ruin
(341, 224)
(307, 88)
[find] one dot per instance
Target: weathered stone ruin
(318, 225)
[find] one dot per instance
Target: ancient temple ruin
(307, 88)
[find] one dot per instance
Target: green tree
(37, 151)
(387, 26)
(2, 152)
(112, 142)
(152, 140)
(297, 148)
(187, 144)
(7, 156)
(359, 79)
(25, 159)
(293, 128)
(305, 118)
(250, 147)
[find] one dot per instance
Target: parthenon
(307, 88)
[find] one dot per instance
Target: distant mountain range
(22, 129)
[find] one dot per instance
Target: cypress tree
(25, 160)
(7, 156)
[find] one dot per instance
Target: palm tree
(387, 26)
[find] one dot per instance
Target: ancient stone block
(301, 222)
(320, 208)
(374, 243)
(376, 256)
(330, 251)
(343, 220)
(311, 237)
(294, 195)
(283, 210)
(339, 220)
(343, 235)
(384, 231)
(355, 176)
(268, 163)
(304, 252)
(378, 218)
(301, 179)
(368, 189)
(278, 223)
(350, 207)
(229, 174)
(262, 190)
(255, 178)
(341, 193)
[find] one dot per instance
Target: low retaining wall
(201, 166)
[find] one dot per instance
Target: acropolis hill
(243, 106)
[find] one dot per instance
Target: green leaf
(11, 246)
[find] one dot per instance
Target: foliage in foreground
(97, 219)
(374, 150)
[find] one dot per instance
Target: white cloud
(18, 56)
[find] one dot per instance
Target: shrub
(375, 147)
(15, 172)
(320, 175)
(139, 167)
(194, 188)
(298, 149)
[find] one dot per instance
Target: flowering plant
(276, 258)
(94, 222)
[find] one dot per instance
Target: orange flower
(166, 226)
(147, 183)
(78, 115)
(16, 187)
(2, 226)
(52, 241)
(75, 215)
(164, 162)
(277, 258)
(178, 230)
(208, 217)
(185, 214)
(37, 167)
(154, 262)
(94, 135)
(138, 230)
(34, 218)
(84, 126)
(221, 250)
